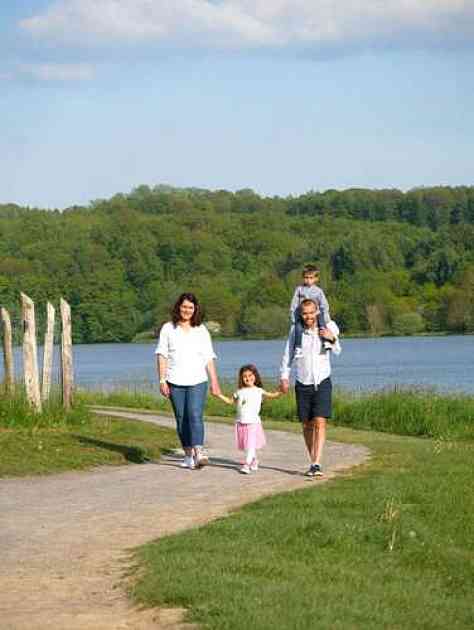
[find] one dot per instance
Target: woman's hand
(165, 390)
(215, 388)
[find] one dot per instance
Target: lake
(445, 363)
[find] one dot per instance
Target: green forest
(391, 262)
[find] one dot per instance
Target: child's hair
(249, 368)
(311, 269)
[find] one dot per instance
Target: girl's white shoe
(254, 465)
(245, 470)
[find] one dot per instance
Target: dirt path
(64, 538)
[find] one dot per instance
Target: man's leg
(319, 439)
(309, 434)
(314, 432)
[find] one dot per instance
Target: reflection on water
(445, 363)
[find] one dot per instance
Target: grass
(416, 412)
(55, 441)
(391, 546)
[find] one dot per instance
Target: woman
(185, 360)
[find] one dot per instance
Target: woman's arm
(162, 369)
(211, 370)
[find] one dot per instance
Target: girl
(248, 429)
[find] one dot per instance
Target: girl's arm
(226, 399)
(271, 394)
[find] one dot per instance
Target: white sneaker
(245, 470)
(200, 459)
(254, 465)
(188, 462)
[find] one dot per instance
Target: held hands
(284, 386)
(215, 388)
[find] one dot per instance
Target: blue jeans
(299, 326)
(188, 405)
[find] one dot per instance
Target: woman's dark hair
(196, 319)
(249, 368)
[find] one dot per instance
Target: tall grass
(414, 412)
(417, 412)
(16, 413)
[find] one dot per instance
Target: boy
(309, 290)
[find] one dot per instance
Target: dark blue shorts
(314, 403)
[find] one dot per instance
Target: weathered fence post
(8, 351)
(67, 374)
(48, 352)
(30, 353)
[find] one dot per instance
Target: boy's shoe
(254, 465)
(188, 462)
(327, 345)
(314, 470)
(245, 470)
(298, 353)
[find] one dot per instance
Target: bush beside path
(65, 538)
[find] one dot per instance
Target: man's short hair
(311, 269)
(309, 302)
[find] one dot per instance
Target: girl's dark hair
(249, 368)
(196, 319)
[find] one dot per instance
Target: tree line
(391, 262)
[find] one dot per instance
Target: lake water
(445, 363)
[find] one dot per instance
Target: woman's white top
(187, 351)
(249, 401)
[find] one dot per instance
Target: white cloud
(58, 71)
(257, 23)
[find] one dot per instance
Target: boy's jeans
(299, 326)
(188, 405)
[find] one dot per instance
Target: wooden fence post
(48, 352)
(30, 353)
(67, 374)
(8, 351)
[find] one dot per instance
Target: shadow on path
(133, 454)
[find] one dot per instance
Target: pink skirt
(249, 436)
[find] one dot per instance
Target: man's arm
(333, 330)
(286, 362)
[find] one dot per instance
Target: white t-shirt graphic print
(249, 402)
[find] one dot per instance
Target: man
(313, 387)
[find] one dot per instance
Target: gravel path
(64, 538)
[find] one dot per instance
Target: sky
(98, 97)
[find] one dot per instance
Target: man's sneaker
(254, 465)
(245, 470)
(298, 353)
(188, 462)
(314, 470)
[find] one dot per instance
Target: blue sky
(282, 96)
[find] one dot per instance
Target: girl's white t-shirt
(249, 401)
(188, 351)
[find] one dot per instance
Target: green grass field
(391, 546)
(55, 441)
